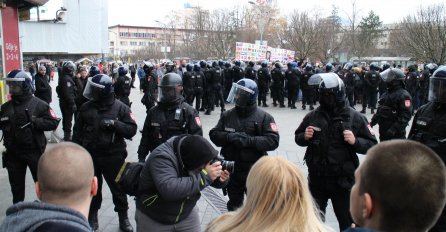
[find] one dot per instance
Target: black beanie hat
(195, 151)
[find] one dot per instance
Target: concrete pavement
(286, 119)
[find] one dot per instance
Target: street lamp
(263, 18)
(115, 44)
(165, 37)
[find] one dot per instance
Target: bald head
(65, 173)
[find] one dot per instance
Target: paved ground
(286, 119)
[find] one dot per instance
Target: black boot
(124, 223)
(259, 103)
(363, 111)
(208, 112)
(303, 107)
(67, 136)
(265, 105)
(93, 220)
(311, 107)
(372, 111)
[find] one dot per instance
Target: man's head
(42, 70)
(66, 176)
(195, 151)
(401, 186)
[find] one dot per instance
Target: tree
(423, 35)
(330, 44)
(370, 30)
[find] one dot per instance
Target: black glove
(238, 139)
(107, 124)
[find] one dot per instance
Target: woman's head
(278, 199)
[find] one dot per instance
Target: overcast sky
(144, 12)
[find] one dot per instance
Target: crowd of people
(401, 185)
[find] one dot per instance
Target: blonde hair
(278, 199)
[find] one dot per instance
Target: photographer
(171, 181)
(334, 133)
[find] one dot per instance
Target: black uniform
(349, 81)
(424, 86)
(216, 96)
(394, 113)
(250, 73)
(199, 86)
(429, 128)
(149, 86)
(227, 73)
(237, 73)
(261, 135)
(132, 70)
(189, 80)
(43, 88)
(106, 144)
(264, 80)
(165, 121)
(278, 77)
(123, 86)
(293, 77)
(23, 121)
(66, 91)
(332, 161)
(308, 91)
(371, 82)
(205, 105)
(412, 85)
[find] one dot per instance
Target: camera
(225, 165)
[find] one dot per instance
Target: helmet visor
(170, 93)
(93, 90)
(241, 95)
(437, 90)
(15, 85)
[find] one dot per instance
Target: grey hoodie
(40, 216)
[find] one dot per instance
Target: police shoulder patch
(198, 121)
(52, 113)
(407, 103)
(274, 127)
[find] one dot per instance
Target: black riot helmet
(412, 68)
(68, 68)
(385, 66)
(189, 67)
(432, 67)
(170, 67)
(122, 71)
(329, 67)
(94, 70)
(227, 64)
(374, 66)
(221, 63)
(348, 66)
(147, 67)
(308, 67)
(203, 64)
(331, 90)
(197, 68)
(278, 65)
(264, 64)
(19, 83)
(393, 77)
(244, 93)
(289, 65)
(214, 64)
(251, 63)
(170, 88)
(98, 87)
(237, 63)
(437, 86)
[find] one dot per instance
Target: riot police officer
(349, 80)
(333, 134)
(189, 84)
(216, 97)
(66, 90)
(227, 73)
(292, 76)
(395, 107)
(429, 125)
(308, 91)
(170, 67)
(172, 116)
(371, 82)
(24, 119)
(207, 75)
(149, 85)
(428, 70)
(237, 72)
(264, 79)
(250, 73)
(412, 84)
(199, 86)
(101, 126)
(245, 134)
(278, 77)
(123, 86)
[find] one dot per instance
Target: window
(112, 43)
(123, 43)
(133, 43)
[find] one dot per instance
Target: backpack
(128, 177)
